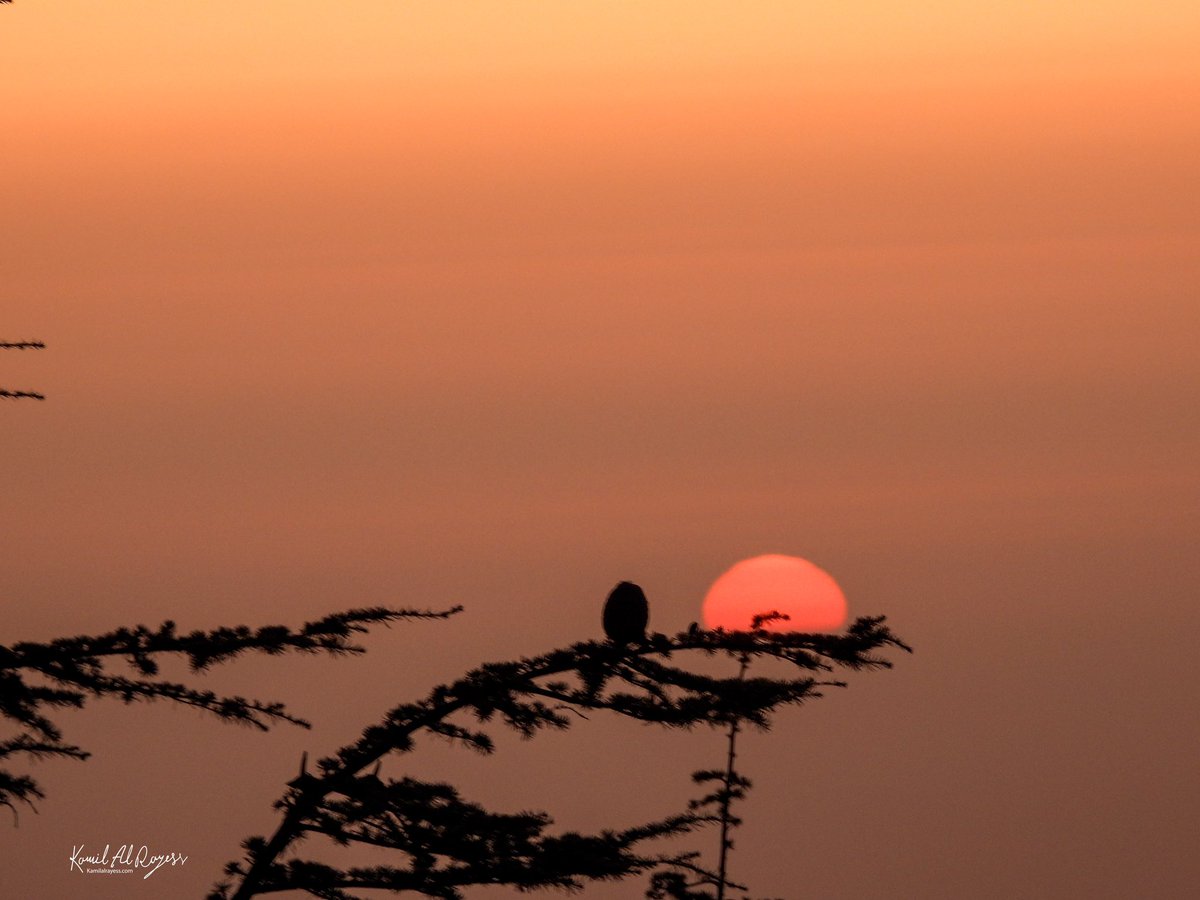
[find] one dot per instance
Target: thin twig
(21, 345)
(727, 794)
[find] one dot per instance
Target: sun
(788, 584)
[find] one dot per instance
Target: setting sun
(806, 593)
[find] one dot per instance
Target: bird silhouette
(626, 613)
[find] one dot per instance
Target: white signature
(126, 856)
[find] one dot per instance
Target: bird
(626, 613)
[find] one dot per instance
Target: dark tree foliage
(38, 678)
(21, 345)
(444, 843)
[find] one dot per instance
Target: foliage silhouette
(445, 843)
(36, 678)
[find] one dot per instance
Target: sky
(499, 304)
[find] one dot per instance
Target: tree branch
(515, 692)
(74, 669)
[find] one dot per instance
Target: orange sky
(501, 304)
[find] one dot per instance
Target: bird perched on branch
(626, 613)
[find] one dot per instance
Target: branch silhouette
(37, 678)
(21, 345)
(446, 843)
(731, 786)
